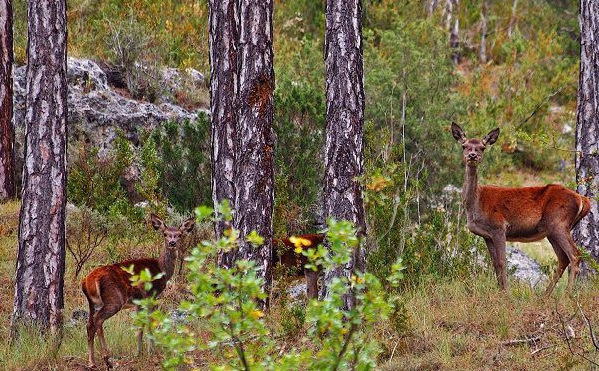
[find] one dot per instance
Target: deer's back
(284, 252)
(531, 209)
(113, 283)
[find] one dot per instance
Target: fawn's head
(473, 148)
(172, 235)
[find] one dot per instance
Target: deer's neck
(166, 261)
(470, 190)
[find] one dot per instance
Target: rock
(78, 317)
(97, 112)
(523, 267)
(297, 290)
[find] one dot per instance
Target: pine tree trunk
(7, 135)
(454, 34)
(513, 19)
(342, 194)
(223, 93)
(254, 177)
(41, 256)
(482, 52)
(587, 128)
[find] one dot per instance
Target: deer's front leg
(498, 241)
(493, 255)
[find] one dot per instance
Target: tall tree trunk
(432, 5)
(451, 12)
(41, 256)
(482, 51)
(513, 18)
(587, 127)
(7, 134)
(223, 94)
(254, 177)
(344, 162)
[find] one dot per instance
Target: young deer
(108, 289)
(284, 254)
(500, 214)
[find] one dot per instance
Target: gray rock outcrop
(97, 111)
(524, 268)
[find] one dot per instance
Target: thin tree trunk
(41, 256)
(432, 5)
(482, 52)
(7, 134)
(254, 176)
(344, 161)
(451, 12)
(587, 128)
(513, 19)
(223, 93)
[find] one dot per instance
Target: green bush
(225, 302)
(95, 181)
(183, 162)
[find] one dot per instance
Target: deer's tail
(583, 209)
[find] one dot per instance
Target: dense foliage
(413, 90)
(223, 306)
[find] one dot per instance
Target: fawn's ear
(491, 137)
(188, 225)
(157, 223)
(457, 132)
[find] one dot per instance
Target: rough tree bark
(254, 177)
(223, 93)
(432, 5)
(587, 127)
(513, 19)
(40, 262)
(342, 194)
(449, 13)
(482, 51)
(7, 135)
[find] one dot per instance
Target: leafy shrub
(95, 181)
(85, 232)
(299, 127)
(133, 56)
(183, 166)
(226, 301)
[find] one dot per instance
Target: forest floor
(465, 324)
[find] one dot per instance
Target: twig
(538, 107)
(561, 320)
(593, 339)
(393, 351)
(532, 339)
(538, 350)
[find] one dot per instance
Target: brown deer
(500, 214)
(109, 289)
(284, 254)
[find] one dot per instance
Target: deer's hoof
(107, 361)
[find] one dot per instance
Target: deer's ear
(157, 223)
(491, 137)
(188, 225)
(457, 132)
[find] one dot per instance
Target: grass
(471, 325)
(461, 324)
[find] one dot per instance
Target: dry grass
(471, 325)
(457, 325)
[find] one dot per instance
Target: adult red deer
(284, 254)
(500, 214)
(108, 288)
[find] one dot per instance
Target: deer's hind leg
(496, 246)
(91, 334)
(104, 313)
(562, 264)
